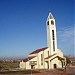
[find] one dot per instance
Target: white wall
(22, 65)
(49, 36)
(39, 60)
(57, 62)
(45, 65)
(60, 53)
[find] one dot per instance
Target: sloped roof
(56, 56)
(60, 58)
(38, 50)
(50, 56)
(28, 58)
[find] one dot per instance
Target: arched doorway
(55, 66)
(32, 66)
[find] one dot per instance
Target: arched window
(47, 22)
(52, 22)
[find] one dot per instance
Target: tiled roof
(38, 50)
(50, 56)
(28, 58)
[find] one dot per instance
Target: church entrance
(55, 66)
(32, 66)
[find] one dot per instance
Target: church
(49, 57)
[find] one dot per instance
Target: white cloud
(66, 40)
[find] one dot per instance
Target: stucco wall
(39, 60)
(45, 64)
(46, 52)
(57, 62)
(22, 65)
(59, 53)
(49, 36)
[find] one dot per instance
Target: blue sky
(23, 26)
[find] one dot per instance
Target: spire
(50, 16)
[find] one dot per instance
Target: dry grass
(9, 64)
(24, 72)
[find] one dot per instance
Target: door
(55, 66)
(32, 66)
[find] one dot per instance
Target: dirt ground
(68, 71)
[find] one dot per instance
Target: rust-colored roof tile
(38, 50)
(28, 58)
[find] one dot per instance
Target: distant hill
(11, 58)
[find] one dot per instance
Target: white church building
(49, 57)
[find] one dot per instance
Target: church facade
(49, 57)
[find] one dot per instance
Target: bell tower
(51, 34)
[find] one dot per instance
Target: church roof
(38, 50)
(28, 58)
(50, 56)
(61, 58)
